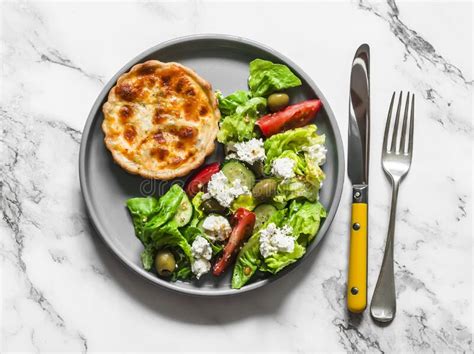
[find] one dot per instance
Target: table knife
(358, 170)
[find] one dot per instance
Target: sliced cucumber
(234, 170)
(184, 213)
(262, 214)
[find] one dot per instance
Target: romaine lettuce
(267, 77)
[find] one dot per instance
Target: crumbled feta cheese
(202, 253)
(274, 239)
(216, 227)
(284, 167)
(231, 156)
(201, 248)
(316, 153)
(206, 196)
(200, 266)
(250, 151)
(220, 188)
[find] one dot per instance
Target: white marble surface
(62, 290)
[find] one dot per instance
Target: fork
(396, 161)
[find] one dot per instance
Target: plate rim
(100, 230)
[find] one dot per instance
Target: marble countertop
(62, 290)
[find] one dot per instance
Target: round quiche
(160, 120)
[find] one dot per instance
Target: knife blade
(358, 171)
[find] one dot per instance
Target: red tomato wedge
(196, 183)
(243, 222)
(294, 116)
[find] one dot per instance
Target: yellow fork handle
(357, 282)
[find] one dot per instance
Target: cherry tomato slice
(294, 116)
(194, 186)
(243, 222)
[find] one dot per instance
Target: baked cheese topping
(160, 120)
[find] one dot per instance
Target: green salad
(257, 210)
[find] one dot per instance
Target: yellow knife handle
(357, 282)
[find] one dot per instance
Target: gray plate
(223, 61)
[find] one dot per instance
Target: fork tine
(387, 125)
(404, 126)
(397, 122)
(412, 125)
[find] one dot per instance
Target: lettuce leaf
(141, 210)
(228, 104)
(294, 188)
(239, 126)
(191, 232)
(314, 174)
(236, 128)
(278, 261)
(152, 220)
(292, 140)
(167, 207)
(184, 272)
(148, 257)
(305, 218)
(166, 236)
(247, 262)
(292, 144)
(253, 107)
(306, 185)
(300, 162)
(196, 202)
(267, 77)
(183, 266)
(249, 258)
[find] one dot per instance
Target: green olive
(257, 168)
(165, 263)
(277, 101)
(212, 206)
(265, 190)
(229, 148)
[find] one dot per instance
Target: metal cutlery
(396, 161)
(358, 170)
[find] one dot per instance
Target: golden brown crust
(160, 120)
